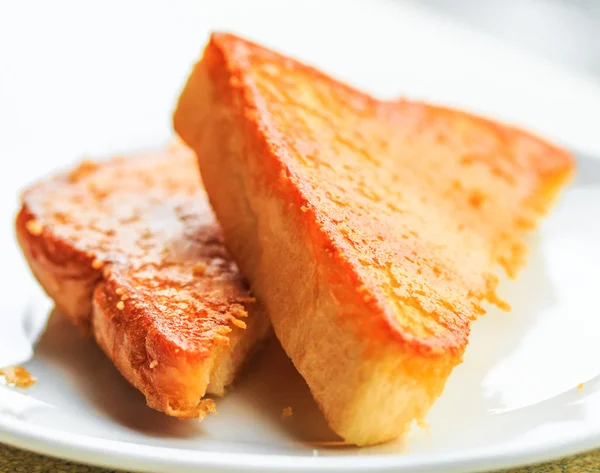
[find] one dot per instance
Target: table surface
(13, 460)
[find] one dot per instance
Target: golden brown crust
(121, 241)
(389, 218)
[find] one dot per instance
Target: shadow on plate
(268, 384)
(82, 364)
(588, 170)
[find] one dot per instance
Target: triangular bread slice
(130, 248)
(371, 230)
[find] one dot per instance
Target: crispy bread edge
(66, 275)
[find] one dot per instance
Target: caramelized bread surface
(371, 230)
(129, 247)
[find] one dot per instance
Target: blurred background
(564, 31)
(94, 77)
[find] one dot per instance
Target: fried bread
(129, 248)
(371, 230)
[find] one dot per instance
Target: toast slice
(371, 230)
(129, 248)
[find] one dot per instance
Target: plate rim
(139, 457)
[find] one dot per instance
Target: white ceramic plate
(514, 399)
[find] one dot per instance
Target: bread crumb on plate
(18, 376)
